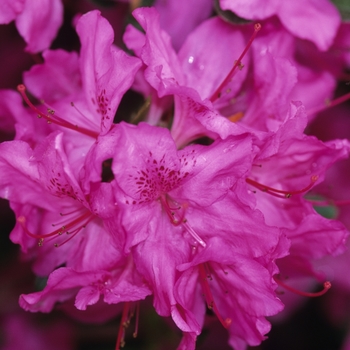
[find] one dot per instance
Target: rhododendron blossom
(200, 196)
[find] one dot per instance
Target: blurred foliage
(344, 8)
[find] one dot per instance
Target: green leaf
(329, 211)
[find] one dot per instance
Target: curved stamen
(237, 64)
(52, 118)
(330, 104)
(281, 193)
(176, 215)
(326, 286)
(173, 213)
(72, 228)
(203, 278)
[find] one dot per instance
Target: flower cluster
(201, 197)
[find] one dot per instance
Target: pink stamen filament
(124, 323)
(281, 193)
(54, 118)
(330, 104)
(136, 331)
(173, 214)
(73, 233)
(75, 225)
(237, 64)
(178, 218)
(203, 278)
(128, 313)
(326, 286)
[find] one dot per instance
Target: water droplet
(190, 59)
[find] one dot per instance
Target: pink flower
(117, 284)
(291, 164)
(37, 21)
(174, 205)
(95, 81)
(179, 19)
(238, 289)
(54, 212)
(301, 18)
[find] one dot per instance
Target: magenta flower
(301, 162)
(112, 213)
(301, 18)
(37, 21)
(173, 205)
(95, 82)
(188, 15)
(54, 211)
(118, 284)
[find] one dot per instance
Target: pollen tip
(228, 322)
(327, 285)
(21, 87)
(257, 26)
(314, 178)
(21, 219)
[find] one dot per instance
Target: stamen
(237, 64)
(177, 217)
(128, 313)
(52, 118)
(71, 228)
(326, 286)
(73, 234)
(194, 234)
(203, 278)
(124, 323)
(281, 193)
(77, 109)
(137, 319)
(329, 104)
